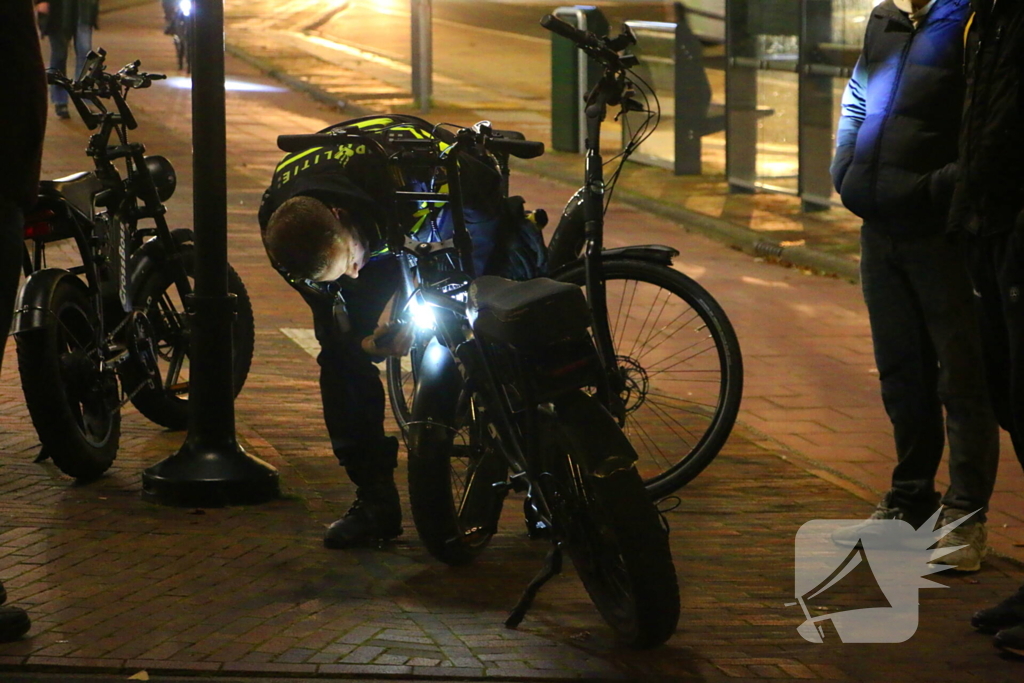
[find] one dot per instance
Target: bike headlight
(185, 6)
(421, 314)
(163, 176)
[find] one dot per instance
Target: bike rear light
(37, 224)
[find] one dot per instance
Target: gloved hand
(392, 339)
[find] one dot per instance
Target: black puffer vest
(898, 174)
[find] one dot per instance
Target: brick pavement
(118, 585)
(811, 382)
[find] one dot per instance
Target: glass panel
(778, 131)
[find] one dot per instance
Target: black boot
(1007, 614)
(14, 621)
(376, 514)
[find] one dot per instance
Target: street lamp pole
(210, 469)
(422, 54)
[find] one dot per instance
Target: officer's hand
(393, 339)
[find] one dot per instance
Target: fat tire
(435, 505)
(617, 500)
(157, 405)
(697, 457)
(46, 394)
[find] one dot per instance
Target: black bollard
(210, 469)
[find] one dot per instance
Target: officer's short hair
(303, 234)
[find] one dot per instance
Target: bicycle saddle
(79, 190)
(527, 314)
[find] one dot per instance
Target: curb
(315, 92)
(736, 236)
(730, 234)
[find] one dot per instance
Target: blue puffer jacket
(896, 146)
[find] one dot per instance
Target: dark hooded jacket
(989, 194)
(65, 16)
(23, 116)
(896, 144)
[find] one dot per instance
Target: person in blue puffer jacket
(895, 167)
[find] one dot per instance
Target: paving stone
(131, 586)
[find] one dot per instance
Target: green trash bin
(572, 74)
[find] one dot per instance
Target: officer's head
(310, 240)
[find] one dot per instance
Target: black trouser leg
(998, 276)
(350, 385)
(928, 352)
(11, 251)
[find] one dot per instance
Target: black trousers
(350, 384)
(997, 272)
(12, 247)
(929, 356)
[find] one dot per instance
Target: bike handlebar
(299, 143)
(604, 50)
(523, 149)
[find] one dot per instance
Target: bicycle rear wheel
(680, 369)
(608, 523)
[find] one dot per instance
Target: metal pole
(422, 54)
(210, 469)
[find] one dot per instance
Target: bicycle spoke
(661, 413)
(643, 325)
(174, 366)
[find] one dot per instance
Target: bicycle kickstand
(552, 566)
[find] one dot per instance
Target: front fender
(438, 385)
(151, 255)
(33, 306)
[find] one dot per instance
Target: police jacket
(989, 195)
(896, 145)
(358, 178)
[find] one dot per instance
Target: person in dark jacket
(894, 167)
(22, 126)
(323, 222)
(988, 207)
(63, 21)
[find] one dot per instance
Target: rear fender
(568, 240)
(599, 445)
(32, 310)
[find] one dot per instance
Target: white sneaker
(971, 535)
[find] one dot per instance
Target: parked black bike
(672, 360)
(110, 327)
(501, 403)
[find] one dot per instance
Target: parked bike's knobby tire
(453, 466)
(157, 297)
(680, 365)
(72, 402)
(608, 523)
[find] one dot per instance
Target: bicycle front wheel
(680, 371)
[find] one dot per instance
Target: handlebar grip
(522, 149)
(299, 143)
(157, 77)
(567, 30)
